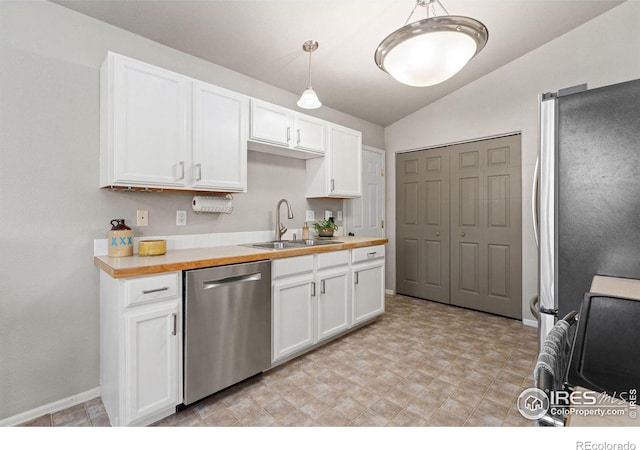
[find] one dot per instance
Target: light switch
(339, 215)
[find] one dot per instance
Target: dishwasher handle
(223, 282)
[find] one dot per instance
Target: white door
(150, 124)
(152, 340)
(309, 133)
(271, 123)
(345, 161)
(333, 301)
(365, 215)
(219, 138)
(368, 290)
(292, 315)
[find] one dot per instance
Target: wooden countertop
(195, 258)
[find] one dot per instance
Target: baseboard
(50, 408)
(530, 323)
(390, 292)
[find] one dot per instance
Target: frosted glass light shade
(430, 51)
(309, 99)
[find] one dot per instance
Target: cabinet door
(333, 302)
(292, 315)
(152, 370)
(151, 141)
(345, 162)
(368, 291)
(271, 123)
(309, 133)
(219, 138)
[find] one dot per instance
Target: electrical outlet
(181, 218)
(327, 214)
(339, 215)
(310, 217)
(143, 218)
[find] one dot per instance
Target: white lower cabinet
(367, 272)
(293, 327)
(314, 298)
(333, 305)
(140, 347)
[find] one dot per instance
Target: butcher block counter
(195, 258)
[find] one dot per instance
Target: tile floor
(421, 364)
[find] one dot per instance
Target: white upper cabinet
(339, 173)
(281, 131)
(309, 133)
(145, 111)
(220, 120)
(160, 129)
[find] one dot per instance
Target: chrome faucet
(280, 229)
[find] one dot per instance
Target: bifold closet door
(486, 226)
(422, 224)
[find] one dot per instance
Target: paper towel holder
(222, 203)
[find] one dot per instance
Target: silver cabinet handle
(371, 254)
(181, 167)
(313, 288)
(151, 291)
(231, 280)
(174, 326)
(322, 287)
(288, 134)
(199, 168)
(463, 234)
(534, 201)
(356, 280)
(437, 233)
(298, 136)
(333, 184)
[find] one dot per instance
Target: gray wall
(51, 208)
(601, 52)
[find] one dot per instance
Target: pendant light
(431, 50)
(309, 98)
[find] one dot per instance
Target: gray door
(486, 226)
(458, 213)
(422, 214)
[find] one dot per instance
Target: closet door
(422, 236)
(486, 226)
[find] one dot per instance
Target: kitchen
(50, 336)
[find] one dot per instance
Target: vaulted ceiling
(263, 40)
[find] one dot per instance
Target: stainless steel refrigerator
(589, 193)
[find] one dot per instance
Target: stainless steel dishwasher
(227, 326)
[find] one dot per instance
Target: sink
(281, 245)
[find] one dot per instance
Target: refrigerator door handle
(534, 201)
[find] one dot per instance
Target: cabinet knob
(463, 234)
(437, 233)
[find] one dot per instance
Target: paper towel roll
(213, 204)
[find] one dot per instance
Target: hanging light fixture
(431, 50)
(309, 98)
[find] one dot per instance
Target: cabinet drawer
(367, 253)
(153, 288)
(291, 266)
(332, 259)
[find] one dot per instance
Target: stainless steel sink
(281, 245)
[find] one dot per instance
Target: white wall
(601, 52)
(51, 208)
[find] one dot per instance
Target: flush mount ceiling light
(309, 98)
(431, 50)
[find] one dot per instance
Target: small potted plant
(325, 228)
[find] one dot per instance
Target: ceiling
(263, 40)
